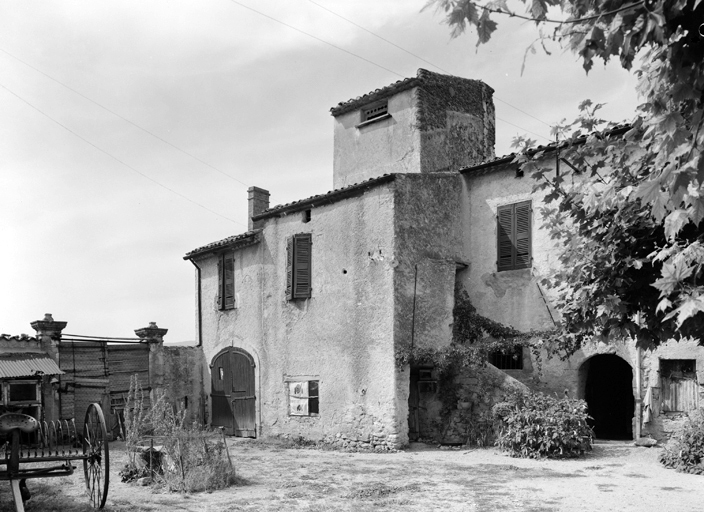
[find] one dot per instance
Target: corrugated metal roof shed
(27, 365)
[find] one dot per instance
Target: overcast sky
(130, 130)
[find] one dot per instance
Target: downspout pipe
(199, 314)
(639, 399)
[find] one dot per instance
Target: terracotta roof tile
(328, 197)
(248, 238)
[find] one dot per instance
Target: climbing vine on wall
(474, 338)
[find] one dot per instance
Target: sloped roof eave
(27, 365)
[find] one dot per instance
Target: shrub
(189, 458)
(535, 425)
(685, 451)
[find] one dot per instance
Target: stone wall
(183, 381)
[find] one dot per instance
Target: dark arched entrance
(608, 390)
(233, 393)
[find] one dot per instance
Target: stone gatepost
(49, 335)
(154, 336)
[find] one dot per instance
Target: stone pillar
(49, 334)
(258, 202)
(154, 336)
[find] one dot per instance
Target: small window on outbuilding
(303, 398)
(298, 267)
(679, 384)
(226, 281)
(375, 112)
(509, 360)
(513, 229)
(22, 392)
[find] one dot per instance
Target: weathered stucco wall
(183, 380)
(386, 146)
(442, 124)
(428, 249)
(341, 336)
(511, 297)
(515, 298)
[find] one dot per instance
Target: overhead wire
(116, 158)
(374, 63)
(420, 58)
(122, 117)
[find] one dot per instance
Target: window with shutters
(298, 266)
(226, 281)
(514, 236)
(679, 385)
(303, 398)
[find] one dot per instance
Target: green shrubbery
(535, 425)
(685, 451)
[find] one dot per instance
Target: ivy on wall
(474, 337)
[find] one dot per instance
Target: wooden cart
(31, 446)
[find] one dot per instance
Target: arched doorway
(233, 392)
(607, 384)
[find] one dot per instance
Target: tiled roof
(553, 146)
(21, 337)
(327, 198)
(248, 238)
(27, 365)
(421, 77)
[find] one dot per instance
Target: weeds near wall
(685, 451)
(175, 455)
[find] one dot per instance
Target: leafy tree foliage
(627, 205)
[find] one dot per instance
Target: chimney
(258, 202)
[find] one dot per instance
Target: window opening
(679, 384)
(221, 373)
(306, 216)
(298, 271)
(304, 398)
(375, 112)
(514, 236)
(226, 281)
(510, 360)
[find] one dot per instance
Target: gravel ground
(616, 476)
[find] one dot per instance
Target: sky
(131, 130)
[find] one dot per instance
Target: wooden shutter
(504, 216)
(302, 248)
(523, 234)
(289, 269)
(220, 282)
(514, 233)
(229, 281)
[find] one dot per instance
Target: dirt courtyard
(616, 476)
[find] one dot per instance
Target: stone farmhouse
(300, 318)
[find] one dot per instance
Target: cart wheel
(96, 457)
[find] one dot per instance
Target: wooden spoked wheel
(96, 457)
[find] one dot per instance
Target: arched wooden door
(233, 393)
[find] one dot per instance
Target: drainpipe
(199, 301)
(639, 399)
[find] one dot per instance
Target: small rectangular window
(375, 112)
(23, 392)
(298, 267)
(679, 385)
(303, 398)
(509, 360)
(226, 281)
(513, 229)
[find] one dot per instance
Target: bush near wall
(685, 451)
(535, 425)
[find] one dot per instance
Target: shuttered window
(303, 398)
(298, 267)
(514, 236)
(226, 281)
(679, 385)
